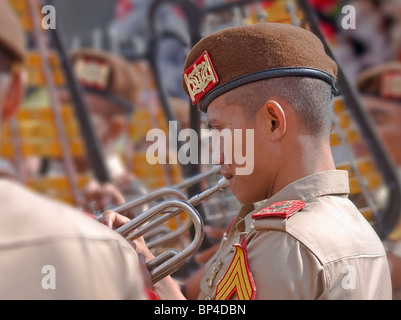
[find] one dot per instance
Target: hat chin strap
(263, 75)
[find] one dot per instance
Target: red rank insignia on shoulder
(284, 209)
(200, 77)
(238, 277)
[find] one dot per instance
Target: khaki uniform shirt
(327, 250)
(51, 251)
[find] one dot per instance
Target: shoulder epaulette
(284, 209)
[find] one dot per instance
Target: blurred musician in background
(49, 250)
(110, 90)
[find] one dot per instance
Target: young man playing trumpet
(297, 236)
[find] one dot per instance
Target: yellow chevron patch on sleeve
(238, 277)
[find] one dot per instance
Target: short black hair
(312, 100)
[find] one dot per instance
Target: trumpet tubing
(139, 201)
(146, 216)
(163, 192)
(195, 200)
(170, 261)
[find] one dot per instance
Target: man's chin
(244, 198)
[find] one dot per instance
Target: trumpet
(197, 178)
(173, 191)
(141, 200)
(170, 260)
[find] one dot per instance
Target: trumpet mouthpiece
(223, 183)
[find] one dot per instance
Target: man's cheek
(245, 163)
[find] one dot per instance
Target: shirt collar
(332, 182)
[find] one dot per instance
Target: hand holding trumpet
(160, 267)
(115, 220)
(166, 288)
(169, 261)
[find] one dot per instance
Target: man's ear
(14, 94)
(275, 119)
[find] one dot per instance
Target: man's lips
(227, 176)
